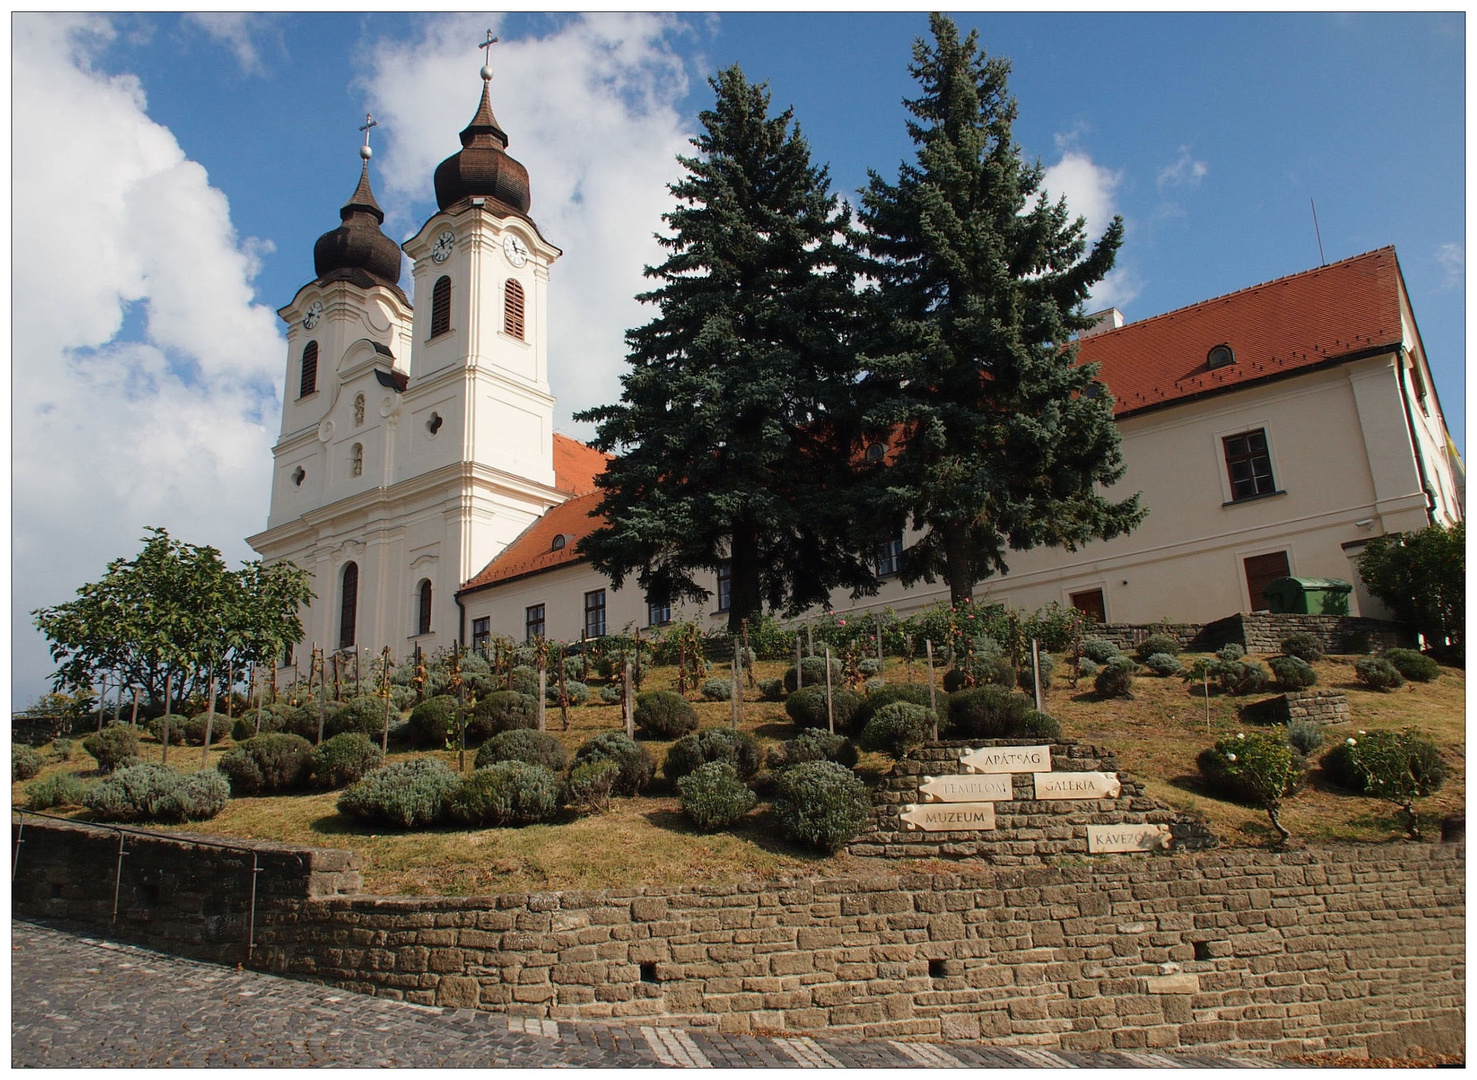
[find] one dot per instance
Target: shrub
(1241, 676)
(525, 680)
(1047, 666)
(577, 692)
(611, 694)
(713, 796)
(521, 744)
(717, 689)
(807, 707)
(268, 763)
(148, 792)
(636, 766)
(176, 728)
(821, 803)
(1157, 644)
(814, 670)
(1099, 650)
(1412, 664)
(1038, 725)
(62, 748)
(1304, 735)
(912, 693)
(772, 689)
(343, 759)
(193, 729)
(1303, 646)
(987, 712)
(1229, 652)
(869, 667)
(433, 721)
(406, 795)
(58, 789)
(113, 746)
(1115, 679)
(1378, 674)
(590, 784)
(897, 728)
(690, 752)
(244, 726)
(499, 711)
(987, 664)
(24, 763)
(664, 714)
(1292, 673)
(1397, 766)
(1086, 668)
(1163, 664)
(506, 793)
(366, 715)
(813, 744)
(1258, 769)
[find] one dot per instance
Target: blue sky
(172, 173)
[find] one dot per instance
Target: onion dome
(358, 244)
(482, 167)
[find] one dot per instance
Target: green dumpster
(1308, 596)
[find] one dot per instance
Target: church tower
(417, 442)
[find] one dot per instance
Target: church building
(418, 477)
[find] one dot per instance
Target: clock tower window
(309, 382)
(513, 309)
(441, 306)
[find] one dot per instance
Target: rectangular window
(481, 635)
(1090, 603)
(890, 556)
(1261, 571)
(658, 614)
(595, 614)
(533, 622)
(725, 585)
(1249, 465)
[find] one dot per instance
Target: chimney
(1103, 321)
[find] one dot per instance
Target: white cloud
(590, 111)
(1091, 191)
(1187, 171)
(1453, 259)
(112, 435)
(237, 31)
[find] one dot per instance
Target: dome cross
(486, 48)
(369, 121)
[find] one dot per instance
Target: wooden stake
(230, 687)
(322, 664)
(542, 689)
(209, 723)
(101, 697)
(933, 695)
(1036, 671)
(830, 716)
(133, 720)
(168, 687)
(735, 690)
(799, 666)
(630, 706)
(878, 616)
(809, 641)
(389, 694)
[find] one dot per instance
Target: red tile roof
(576, 465)
(1335, 312)
(534, 550)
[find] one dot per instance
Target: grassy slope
(645, 840)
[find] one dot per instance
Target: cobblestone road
(78, 1001)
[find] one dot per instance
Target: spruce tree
(731, 432)
(980, 280)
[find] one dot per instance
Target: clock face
(313, 314)
(442, 250)
(515, 249)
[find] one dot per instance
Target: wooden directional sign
(1127, 837)
(980, 787)
(1007, 759)
(949, 817)
(1077, 785)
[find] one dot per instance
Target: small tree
(1399, 767)
(1422, 578)
(1257, 768)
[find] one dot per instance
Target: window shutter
(513, 309)
(310, 370)
(441, 306)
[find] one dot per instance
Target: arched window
(423, 623)
(359, 410)
(513, 309)
(441, 306)
(310, 369)
(348, 606)
(356, 460)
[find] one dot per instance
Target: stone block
(457, 992)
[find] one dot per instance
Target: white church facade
(419, 478)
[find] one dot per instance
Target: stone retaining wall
(1027, 831)
(1263, 632)
(1357, 950)
(1314, 706)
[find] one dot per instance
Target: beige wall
(1340, 451)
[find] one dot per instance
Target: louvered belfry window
(310, 370)
(441, 306)
(513, 309)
